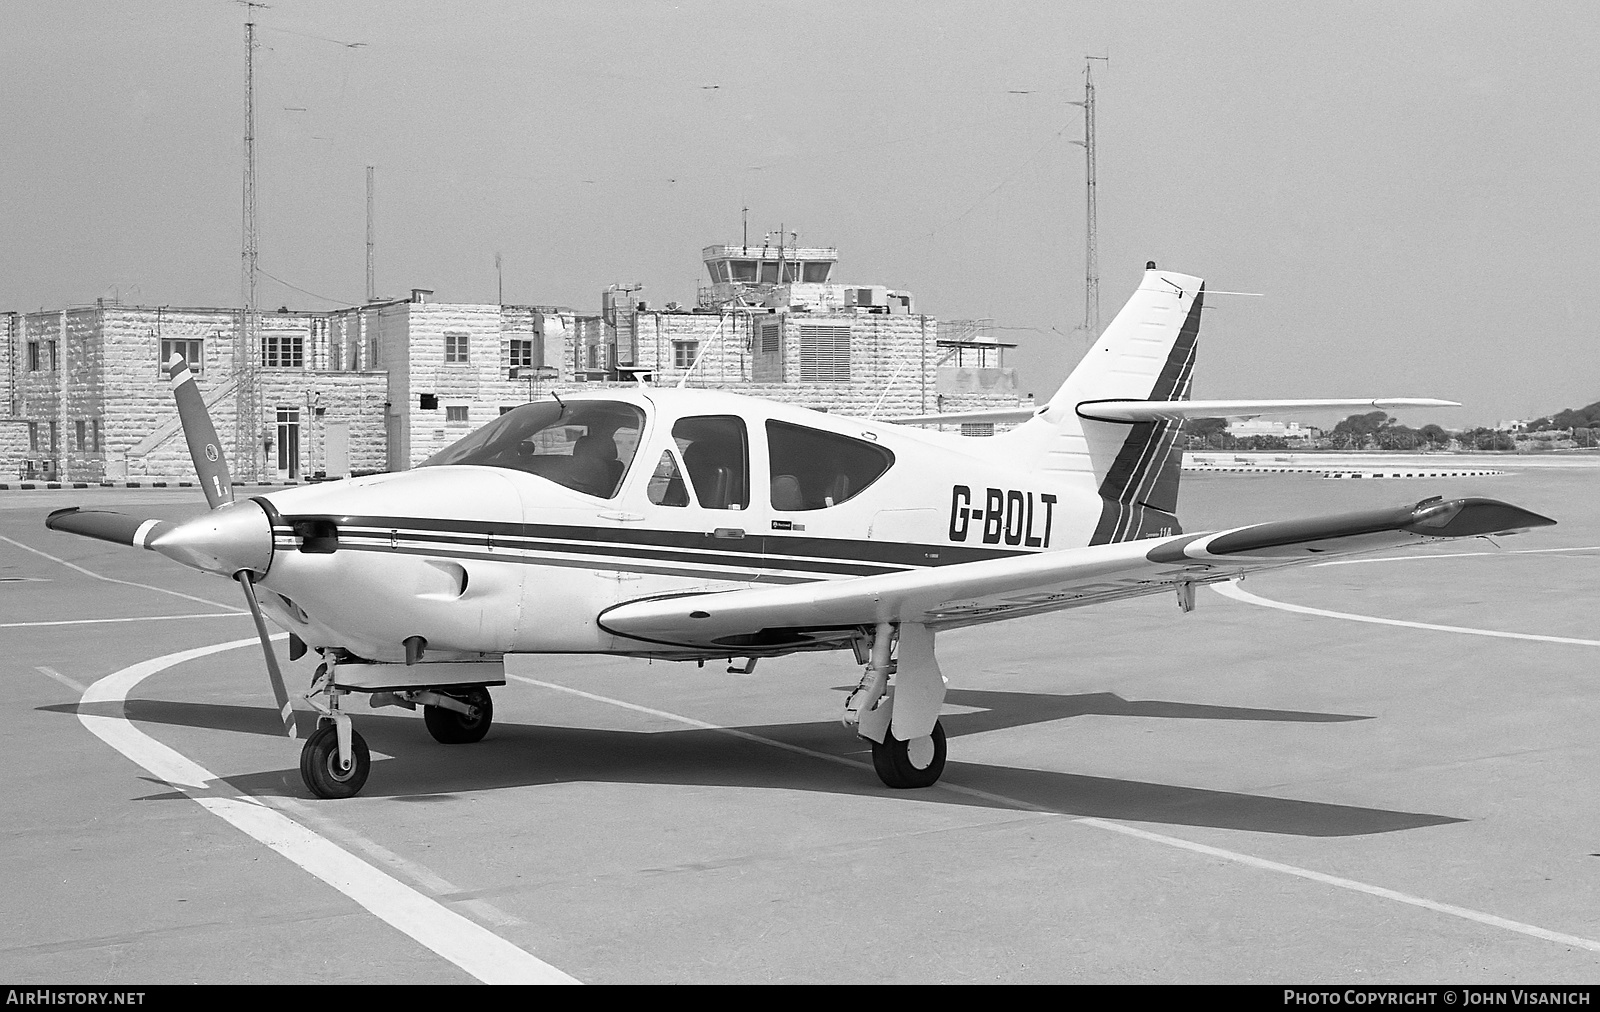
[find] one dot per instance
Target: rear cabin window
(583, 445)
(717, 456)
(812, 469)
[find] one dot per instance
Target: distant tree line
(1376, 430)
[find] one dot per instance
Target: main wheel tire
(907, 764)
(322, 771)
(451, 728)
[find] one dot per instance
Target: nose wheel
(326, 772)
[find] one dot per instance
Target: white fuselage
(491, 560)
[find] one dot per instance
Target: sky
(1411, 186)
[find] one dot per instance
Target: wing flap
(967, 593)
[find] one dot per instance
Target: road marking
(104, 621)
(110, 579)
(63, 679)
(1450, 909)
(474, 948)
(1233, 590)
(418, 873)
(1454, 555)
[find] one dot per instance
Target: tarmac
(1372, 771)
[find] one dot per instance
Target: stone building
(385, 385)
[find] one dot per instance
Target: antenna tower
(1091, 269)
(247, 404)
(372, 288)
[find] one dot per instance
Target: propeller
(211, 465)
(234, 539)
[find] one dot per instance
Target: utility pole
(372, 288)
(1091, 271)
(500, 283)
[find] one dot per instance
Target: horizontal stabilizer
(1156, 411)
(105, 525)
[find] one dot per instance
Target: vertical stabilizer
(1146, 354)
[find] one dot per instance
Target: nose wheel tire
(322, 771)
(451, 728)
(907, 764)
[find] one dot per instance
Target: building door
(338, 452)
(288, 444)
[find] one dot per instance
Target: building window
(94, 430)
(193, 352)
(455, 349)
(55, 360)
(684, 354)
(283, 351)
(33, 357)
(521, 354)
(55, 436)
(456, 413)
(33, 437)
(824, 354)
(81, 430)
(335, 355)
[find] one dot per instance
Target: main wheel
(451, 728)
(915, 763)
(321, 769)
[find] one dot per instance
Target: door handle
(728, 532)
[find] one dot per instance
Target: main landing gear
(881, 712)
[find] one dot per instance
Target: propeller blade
(280, 691)
(205, 449)
(106, 525)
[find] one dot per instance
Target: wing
(782, 619)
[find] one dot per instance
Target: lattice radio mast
(247, 400)
(1091, 270)
(372, 287)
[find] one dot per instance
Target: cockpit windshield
(584, 445)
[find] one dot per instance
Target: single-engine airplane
(693, 525)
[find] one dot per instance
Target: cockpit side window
(666, 483)
(812, 469)
(717, 456)
(583, 445)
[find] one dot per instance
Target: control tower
(769, 276)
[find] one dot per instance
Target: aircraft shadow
(519, 755)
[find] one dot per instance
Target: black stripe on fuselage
(782, 552)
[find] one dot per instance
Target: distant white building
(1265, 427)
(386, 385)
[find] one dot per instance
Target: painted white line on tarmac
(1262, 864)
(1233, 590)
(467, 944)
(1454, 555)
(111, 579)
(104, 621)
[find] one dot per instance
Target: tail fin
(1146, 354)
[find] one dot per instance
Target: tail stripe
(1144, 475)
